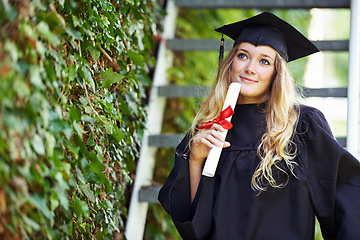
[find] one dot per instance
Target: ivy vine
(74, 75)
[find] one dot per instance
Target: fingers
(218, 127)
(210, 140)
(205, 139)
(226, 144)
(212, 136)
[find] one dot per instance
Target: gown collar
(249, 124)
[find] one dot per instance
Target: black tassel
(221, 54)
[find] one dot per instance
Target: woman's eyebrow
(264, 55)
(242, 49)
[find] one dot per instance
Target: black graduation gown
(327, 185)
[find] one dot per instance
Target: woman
(280, 167)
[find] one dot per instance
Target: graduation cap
(267, 29)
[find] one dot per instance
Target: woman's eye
(264, 61)
(242, 56)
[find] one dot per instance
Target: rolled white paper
(215, 152)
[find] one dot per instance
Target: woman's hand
(204, 141)
(201, 145)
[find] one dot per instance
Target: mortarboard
(267, 29)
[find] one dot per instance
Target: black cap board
(268, 29)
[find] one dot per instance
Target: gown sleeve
(192, 220)
(333, 180)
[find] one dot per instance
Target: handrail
(144, 171)
(354, 78)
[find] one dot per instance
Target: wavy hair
(276, 150)
(212, 106)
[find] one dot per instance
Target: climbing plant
(74, 75)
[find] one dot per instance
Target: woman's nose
(250, 68)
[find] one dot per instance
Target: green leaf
(83, 225)
(76, 21)
(80, 176)
(124, 107)
(11, 50)
(22, 88)
(52, 19)
(78, 128)
(99, 235)
(94, 52)
(72, 72)
(40, 203)
(108, 129)
(31, 223)
(50, 72)
(85, 188)
(73, 33)
(131, 101)
(97, 167)
(83, 100)
(61, 186)
(50, 144)
(75, 113)
(54, 201)
(87, 118)
(35, 77)
(117, 134)
(109, 77)
(10, 11)
(88, 76)
(84, 61)
(45, 31)
(137, 58)
(38, 144)
(80, 208)
(105, 20)
(83, 149)
(88, 109)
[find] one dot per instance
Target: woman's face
(253, 67)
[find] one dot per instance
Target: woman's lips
(248, 80)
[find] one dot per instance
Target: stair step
(213, 44)
(325, 92)
(165, 140)
(149, 194)
(268, 4)
(175, 91)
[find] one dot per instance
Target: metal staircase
(154, 139)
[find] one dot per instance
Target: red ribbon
(221, 120)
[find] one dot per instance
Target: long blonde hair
(281, 113)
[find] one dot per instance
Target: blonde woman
(280, 166)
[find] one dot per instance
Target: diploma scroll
(215, 152)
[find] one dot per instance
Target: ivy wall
(74, 75)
